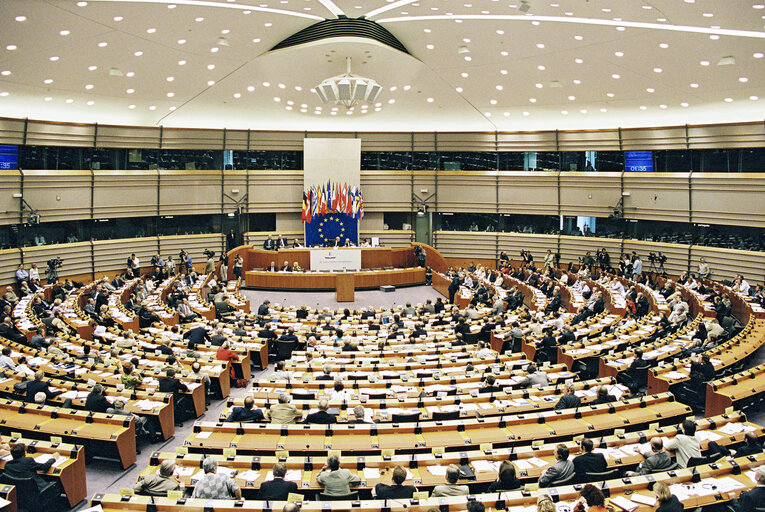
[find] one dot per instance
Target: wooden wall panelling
(389, 191)
(390, 237)
(736, 135)
(49, 133)
(10, 183)
(189, 193)
(574, 247)
(58, 195)
(191, 138)
(649, 139)
(275, 191)
(132, 137)
(9, 262)
(727, 198)
(234, 180)
(76, 258)
(111, 255)
(537, 244)
(276, 141)
(589, 194)
(677, 254)
(661, 196)
(119, 194)
(527, 141)
(467, 191)
(528, 193)
(11, 131)
(423, 141)
(381, 141)
(236, 140)
(588, 140)
(466, 141)
(466, 244)
(726, 263)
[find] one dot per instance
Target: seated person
(751, 500)
(277, 489)
(396, 491)
(507, 480)
(603, 396)
(38, 386)
(657, 460)
(534, 377)
(247, 413)
(96, 401)
(451, 488)
(158, 483)
(588, 462)
(215, 486)
(685, 445)
(562, 469)
(321, 416)
(335, 480)
(284, 412)
(752, 445)
(569, 400)
(21, 466)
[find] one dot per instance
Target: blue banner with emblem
(324, 229)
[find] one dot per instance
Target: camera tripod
(657, 269)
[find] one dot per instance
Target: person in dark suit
(507, 480)
(21, 466)
(169, 384)
(752, 446)
(277, 489)
(569, 400)
(748, 500)
(453, 287)
(269, 244)
(603, 396)
(588, 462)
(562, 469)
(263, 308)
(38, 386)
(218, 339)
(196, 336)
(230, 240)
(326, 373)
(397, 490)
(247, 413)
(321, 416)
(96, 401)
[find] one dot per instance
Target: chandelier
(348, 89)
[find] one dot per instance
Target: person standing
(230, 240)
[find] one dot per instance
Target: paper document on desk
(538, 462)
(728, 484)
(485, 466)
(708, 435)
(522, 464)
(735, 428)
(204, 435)
(183, 471)
(250, 475)
(42, 459)
(643, 499)
(437, 470)
(371, 473)
(293, 475)
(624, 503)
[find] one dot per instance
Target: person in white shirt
(703, 268)
(617, 287)
(34, 273)
(5, 359)
(741, 286)
(339, 393)
(21, 366)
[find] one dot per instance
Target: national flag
(302, 212)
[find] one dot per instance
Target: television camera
(53, 265)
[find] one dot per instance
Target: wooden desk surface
(326, 280)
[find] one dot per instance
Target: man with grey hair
(451, 488)
(569, 400)
(327, 373)
(215, 486)
(96, 401)
(336, 480)
(157, 484)
(321, 416)
(284, 412)
(750, 500)
(358, 415)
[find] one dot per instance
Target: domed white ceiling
(472, 64)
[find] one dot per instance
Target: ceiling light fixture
(348, 89)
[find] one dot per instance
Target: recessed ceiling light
(684, 104)
(266, 84)
(210, 83)
(757, 55)
(269, 24)
(499, 87)
(663, 45)
(426, 30)
(743, 79)
(535, 23)
(21, 18)
(616, 76)
(64, 33)
(429, 46)
(393, 89)
(181, 62)
(643, 107)
(237, 95)
(564, 112)
(572, 98)
(130, 91)
(407, 87)
(577, 82)
(541, 68)
(92, 68)
(54, 58)
(465, 40)
(525, 113)
(118, 18)
(532, 100)
(5, 73)
(282, 86)
(82, 4)
(391, 101)
(539, 86)
(610, 94)
(138, 53)
(298, 88)
(493, 102)
(753, 98)
(89, 86)
(4, 93)
(578, 61)
(662, 106)
(47, 98)
(214, 49)
(714, 37)
(181, 41)
(131, 107)
(468, 58)
(130, 74)
(621, 29)
(500, 32)
(151, 30)
(211, 66)
(48, 81)
(651, 89)
(583, 111)
(540, 45)
(102, 44)
(256, 40)
(619, 54)
(657, 70)
(604, 110)
(758, 6)
(729, 100)
(170, 94)
(578, 38)
(704, 63)
(70, 100)
(199, 19)
(11, 47)
(152, 107)
(459, 89)
(430, 100)
(695, 85)
(707, 14)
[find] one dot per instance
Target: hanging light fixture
(348, 89)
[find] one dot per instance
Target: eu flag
(325, 228)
